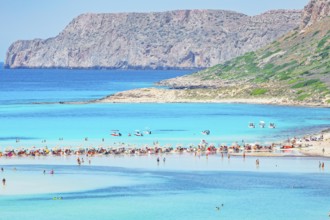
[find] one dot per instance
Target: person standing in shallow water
(3, 181)
(257, 162)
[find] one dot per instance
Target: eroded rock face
(315, 10)
(174, 39)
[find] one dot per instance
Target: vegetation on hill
(296, 66)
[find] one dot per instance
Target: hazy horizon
(27, 20)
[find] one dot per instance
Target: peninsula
(183, 39)
(293, 70)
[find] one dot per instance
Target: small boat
(262, 124)
(147, 132)
(251, 125)
(272, 125)
(206, 132)
(138, 133)
(115, 133)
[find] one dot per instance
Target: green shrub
(284, 77)
(300, 91)
(268, 66)
(305, 83)
(322, 42)
(258, 91)
(293, 81)
(302, 97)
(324, 54)
(315, 33)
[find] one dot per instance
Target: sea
(123, 187)
(26, 122)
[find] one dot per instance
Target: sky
(30, 19)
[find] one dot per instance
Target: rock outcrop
(315, 11)
(174, 39)
(295, 67)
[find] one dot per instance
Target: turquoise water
(170, 123)
(185, 187)
(161, 194)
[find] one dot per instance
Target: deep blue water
(24, 86)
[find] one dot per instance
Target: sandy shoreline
(158, 95)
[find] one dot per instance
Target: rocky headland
(165, 40)
(293, 70)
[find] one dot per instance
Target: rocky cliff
(174, 39)
(294, 68)
(315, 11)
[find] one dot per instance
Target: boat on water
(138, 133)
(262, 124)
(272, 125)
(115, 133)
(251, 125)
(206, 132)
(147, 132)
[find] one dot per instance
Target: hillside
(164, 40)
(295, 68)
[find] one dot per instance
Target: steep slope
(295, 68)
(315, 11)
(174, 39)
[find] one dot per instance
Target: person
(157, 159)
(52, 171)
(89, 162)
(319, 164)
(322, 165)
(78, 161)
(3, 181)
(44, 172)
(323, 150)
(164, 159)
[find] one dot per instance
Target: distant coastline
(160, 95)
(106, 68)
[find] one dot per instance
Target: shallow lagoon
(184, 187)
(170, 123)
(287, 188)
